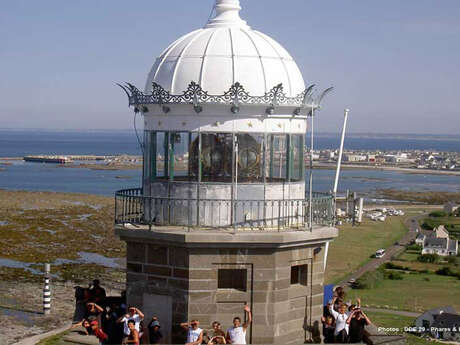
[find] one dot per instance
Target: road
(396, 249)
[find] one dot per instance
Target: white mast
(339, 160)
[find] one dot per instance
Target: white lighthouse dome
(224, 52)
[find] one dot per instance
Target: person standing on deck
(341, 325)
(194, 333)
(237, 334)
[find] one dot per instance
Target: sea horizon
(35, 176)
(321, 133)
(21, 142)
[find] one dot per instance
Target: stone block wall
(284, 313)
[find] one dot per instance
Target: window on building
(299, 274)
(232, 279)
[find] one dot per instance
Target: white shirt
(340, 320)
(237, 335)
(193, 334)
(137, 321)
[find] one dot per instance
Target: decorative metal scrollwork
(235, 97)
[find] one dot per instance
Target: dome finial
(227, 14)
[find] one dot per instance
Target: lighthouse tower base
(209, 276)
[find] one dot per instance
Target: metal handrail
(132, 207)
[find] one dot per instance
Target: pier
(64, 159)
(48, 159)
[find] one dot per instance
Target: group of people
(236, 334)
(111, 321)
(344, 322)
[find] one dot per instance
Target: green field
(398, 321)
(452, 224)
(414, 340)
(355, 245)
(390, 320)
(416, 292)
(409, 259)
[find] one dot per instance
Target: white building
(440, 246)
(420, 239)
(354, 158)
(440, 243)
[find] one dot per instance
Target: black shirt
(328, 333)
(154, 337)
(357, 330)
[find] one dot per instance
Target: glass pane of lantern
(276, 157)
(193, 156)
(181, 161)
(250, 157)
(297, 157)
(216, 157)
(161, 154)
(147, 156)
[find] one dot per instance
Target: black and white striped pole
(47, 291)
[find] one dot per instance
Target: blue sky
(394, 63)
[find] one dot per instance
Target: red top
(99, 333)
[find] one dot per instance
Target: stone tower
(221, 219)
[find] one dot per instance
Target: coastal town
(411, 159)
(415, 161)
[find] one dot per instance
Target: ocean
(18, 143)
(48, 177)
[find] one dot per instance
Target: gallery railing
(132, 207)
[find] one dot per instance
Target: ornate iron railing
(132, 207)
(236, 95)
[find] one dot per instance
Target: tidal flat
(424, 197)
(57, 228)
(73, 232)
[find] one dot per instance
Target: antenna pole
(339, 160)
(310, 211)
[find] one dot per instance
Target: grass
(398, 321)
(416, 292)
(409, 259)
(355, 245)
(54, 340)
(409, 255)
(414, 340)
(390, 320)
